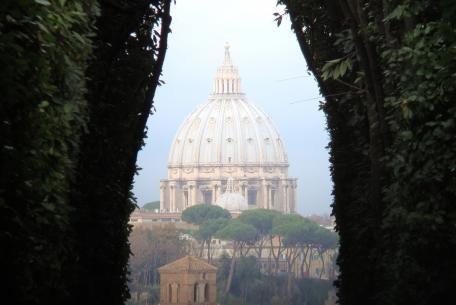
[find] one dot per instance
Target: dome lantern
(227, 79)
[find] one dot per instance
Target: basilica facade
(228, 152)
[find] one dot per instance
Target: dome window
(190, 140)
(230, 140)
(250, 140)
(209, 140)
(266, 139)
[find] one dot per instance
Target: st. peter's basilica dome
(227, 129)
(228, 136)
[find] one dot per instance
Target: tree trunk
(276, 257)
(310, 261)
(289, 283)
(230, 274)
(291, 255)
(201, 249)
(208, 250)
(322, 264)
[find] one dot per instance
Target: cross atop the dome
(227, 53)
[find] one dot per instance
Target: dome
(233, 202)
(228, 153)
(227, 129)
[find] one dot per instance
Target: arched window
(177, 293)
(195, 293)
(170, 293)
(206, 293)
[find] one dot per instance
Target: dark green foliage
(200, 213)
(44, 50)
(420, 198)
(237, 232)
(297, 231)
(387, 70)
(151, 206)
(210, 218)
(208, 228)
(72, 122)
(123, 76)
(250, 287)
(261, 219)
(311, 291)
(247, 280)
(241, 235)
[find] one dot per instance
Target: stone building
(226, 138)
(188, 280)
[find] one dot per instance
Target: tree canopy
(386, 70)
(237, 232)
(200, 213)
(261, 219)
(210, 227)
(78, 80)
(151, 206)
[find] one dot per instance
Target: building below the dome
(228, 152)
(188, 281)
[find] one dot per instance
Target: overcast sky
(274, 76)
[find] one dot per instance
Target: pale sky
(274, 75)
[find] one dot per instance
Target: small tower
(188, 280)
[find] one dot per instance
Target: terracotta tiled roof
(187, 263)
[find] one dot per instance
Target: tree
(200, 213)
(207, 230)
(240, 234)
(386, 71)
(151, 206)
(247, 278)
(130, 46)
(262, 220)
(276, 239)
(210, 218)
(295, 231)
(77, 80)
(150, 250)
(45, 49)
(324, 240)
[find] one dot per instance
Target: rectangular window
(208, 197)
(252, 197)
(273, 193)
(186, 198)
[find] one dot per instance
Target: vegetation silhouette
(78, 80)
